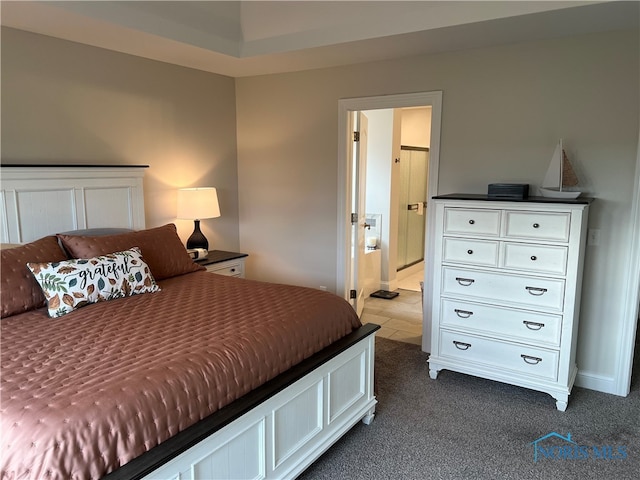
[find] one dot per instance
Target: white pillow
(74, 283)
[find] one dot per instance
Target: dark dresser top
(472, 196)
(216, 256)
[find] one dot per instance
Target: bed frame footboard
(278, 430)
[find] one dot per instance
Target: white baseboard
(390, 286)
(599, 383)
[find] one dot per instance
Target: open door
(359, 212)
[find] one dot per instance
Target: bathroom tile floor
(400, 318)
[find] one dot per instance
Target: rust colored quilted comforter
(87, 392)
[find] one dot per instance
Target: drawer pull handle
(471, 222)
(233, 269)
(461, 345)
(470, 252)
(536, 291)
(463, 313)
(534, 258)
(536, 225)
(465, 282)
(533, 325)
(531, 360)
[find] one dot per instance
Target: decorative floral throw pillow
(72, 284)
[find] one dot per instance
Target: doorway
(395, 197)
(345, 177)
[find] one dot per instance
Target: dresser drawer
(537, 225)
(508, 289)
(536, 258)
(474, 252)
(471, 221)
(231, 268)
(523, 359)
(505, 323)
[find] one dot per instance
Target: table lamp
(197, 204)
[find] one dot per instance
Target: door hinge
(354, 218)
(352, 294)
(356, 136)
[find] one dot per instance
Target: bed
(188, 375)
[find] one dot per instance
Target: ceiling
(243, 38)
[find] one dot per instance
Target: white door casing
(626, 344)
(345, 182)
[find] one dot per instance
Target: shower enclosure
(414, 164)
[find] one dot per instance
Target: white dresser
(506, 290)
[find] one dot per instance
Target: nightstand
(224, 263)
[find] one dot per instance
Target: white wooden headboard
(41, 200)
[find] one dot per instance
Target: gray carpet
(462, 427)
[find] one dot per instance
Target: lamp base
(197, 239)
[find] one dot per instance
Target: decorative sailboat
(559, 175)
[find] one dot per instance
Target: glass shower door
(414, 164)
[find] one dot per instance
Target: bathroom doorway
(345, 279)
(396, 199)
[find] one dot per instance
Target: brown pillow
(19, 291)
(161, 249)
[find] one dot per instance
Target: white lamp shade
(198, 203)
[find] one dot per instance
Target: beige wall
(416, 127)
(504, 109)
(63, 102)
